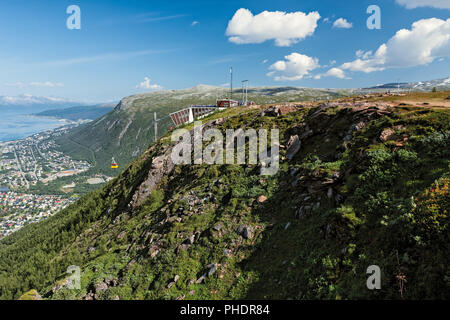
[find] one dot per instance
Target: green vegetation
(346, 201)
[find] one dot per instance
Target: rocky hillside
(361, 182)
(127, 131)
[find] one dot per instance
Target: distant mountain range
(78, 112)
(26, 103)
(28, 100)
(40, 103)
(439, 84)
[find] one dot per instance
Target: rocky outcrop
(31, 295)
(245, 231)
(261, 199)
(390, 134)
(293, 147)
(277, 111)
(162, 165)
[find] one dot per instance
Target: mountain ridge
(439, 84)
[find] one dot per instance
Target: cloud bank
(295, 67)
(412, 4)
(47, 84)
(333, 72)
(284, 28)
(147, 85)
(342, 24)
(427, 40)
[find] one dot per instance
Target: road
(35, 164)
(24, 179)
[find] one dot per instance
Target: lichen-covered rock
(31, 295)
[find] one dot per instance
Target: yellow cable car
(114, 164)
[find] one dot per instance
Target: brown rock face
(293, 147)
(277, 111)
(286, 109)
(387, 134)
(390, 133)
(162, 165)
(261, 199)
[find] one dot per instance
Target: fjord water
(18, 123)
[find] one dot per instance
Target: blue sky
(120, 43)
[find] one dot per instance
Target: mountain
(128, 130)
(440, 84)
(28, 100)
(27, 104)
(361, 182)
(79, 112)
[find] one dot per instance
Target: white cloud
(336, 72)
(427, 40)
(285, 28)
(194, 23)
(28, 99)
(342, 23)
(295, 67)
(333, 72)
(47, 84)
(363, 54)
(265, 61)
(411, 4)
(147, 85)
